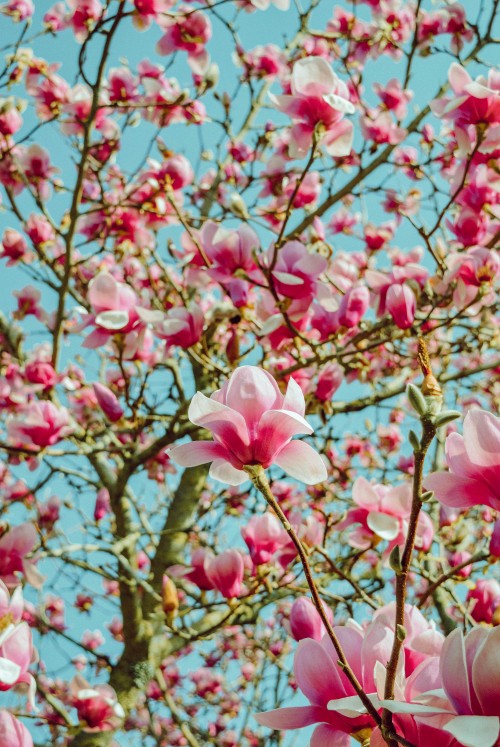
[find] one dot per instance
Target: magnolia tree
(249, 373)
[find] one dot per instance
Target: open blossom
(114, 307)
(382, 512)
(474, 464)
(476, 102)
(318, 102)
(39, 424)
(263, 536)
(15, 545)
(96, 706)
(16, 655)
(189, 32)
(321, 680)
(394, 295)
(296, 270)
(468, 705)
(231, 255)
(13, 733)
(252, 423)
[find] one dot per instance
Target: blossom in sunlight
(317, 102)
(39, 424)
(97, 707)
(476, 102)
(468, 705)
(15, 545)
(474, 464)
(252, 423)
(383, 512)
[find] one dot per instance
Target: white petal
(112, 319)
(9, 672)
(383, 525)
(225, 472)
(474, 731)
(301, 461)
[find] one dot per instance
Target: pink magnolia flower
(305, 621)
(102, 504)
(114, 307)
(394, 98)
(318, 102)
(18, 10)
(474, 463)
(353, 306)
(330, 378)
(108, 402)
(98, 706)
(39, 424)
(10, 117)
(325, 686)
(150, 10)
(14, 247)
(231, 255)
(180, 326)
(296, 270)
(484, 600)
(189, 32)
(468, 706)
(11, 605)
(225, 571)
(471, 270)
(263, 536)
(476, 102)
(383, 512)
(393, 294)
(85, 13)
(16, 654)
(15, 545)
(200, 560)
(252, 423)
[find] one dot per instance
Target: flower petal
(301, 461)
(196, 452)
(224, 471)
(291, 718)
(474, 731)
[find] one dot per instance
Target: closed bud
(413, 439)
(416, 399)
(400, 633)
(427, 496)
(395, 560)
(448, 416)
(169, 599)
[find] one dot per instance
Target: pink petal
(454, 672)
(313, 76)
(482, 438)
(294, 398)
(291, 718)
(327, 736)
(316, 673)
(103, 291)
(459, 492)
(486, 673)
(224, 471)
(364, 494)
(302, 462)
(197, 452)
(251, 391)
